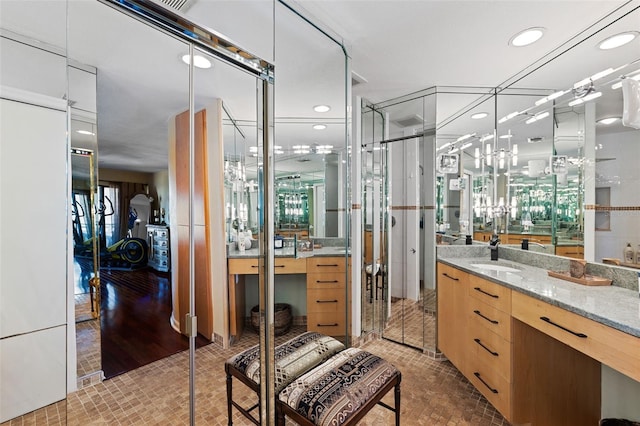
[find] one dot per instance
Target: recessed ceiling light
(526, 37)
(322, 108)
(479, 115)
(319, 126)
(608, 120)
(198, 61)
(618, 40)
(85, 132)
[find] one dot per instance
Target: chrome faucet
(493, 246)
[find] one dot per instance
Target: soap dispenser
(628, 254)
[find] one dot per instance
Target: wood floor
(135, 325)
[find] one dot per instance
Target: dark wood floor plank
(135, 327)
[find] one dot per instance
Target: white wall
(33, 257)
(622, 175)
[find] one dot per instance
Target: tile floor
(433, 393)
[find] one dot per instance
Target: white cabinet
(159, 247)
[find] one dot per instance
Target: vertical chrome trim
(350, 311)
(192, 245)
(266, 259)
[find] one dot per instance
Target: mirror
(85, 254)
(565, 129)
(594, 203)
(398, 197)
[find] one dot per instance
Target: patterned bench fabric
(292, 358)
(334, 391)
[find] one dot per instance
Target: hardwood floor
(135, 325)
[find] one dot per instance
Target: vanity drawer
(329, 280)
(331, 300)
(326, 264)
(490, 293)
(576, 252)
(618, 350)
(289, 265)
(451, 274)
(494, 387)
(281, 266)
(491, 349)
(243, 266)
(329, 323)
(483, 315)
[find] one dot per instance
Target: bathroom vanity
(531, 344)
(322, 277)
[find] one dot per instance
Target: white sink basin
(494, 267)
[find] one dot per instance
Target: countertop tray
(586, 280)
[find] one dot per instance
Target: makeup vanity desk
(326, 286)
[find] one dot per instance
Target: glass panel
(142, 90)
(34, 161)
(373, 131)
(311, 176)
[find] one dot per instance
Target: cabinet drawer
(495, 388)
(490, 293)
(281, 266)
(491, 349)
(161, 243)
(575, 252)
(243, 266)
(618, 350)
(451, 274)
(161, 252)
(330, 280)
(161, 233)
(331, 300)
(290, 266)
(487, 316)
(329, 323)
(326, 264)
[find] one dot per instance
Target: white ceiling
(399, 47)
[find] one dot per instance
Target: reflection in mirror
(590, 209)
(373, 131)
(398, 201)
(85, 254)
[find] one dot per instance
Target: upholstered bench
(340, 391)
(292, 359)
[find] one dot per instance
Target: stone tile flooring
(433, 393)
(88, 347)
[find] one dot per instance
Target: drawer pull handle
(327, 301)
(335, 324)
(330, 264)
(326, 281)
(492, 321)
(450, 277)
(581, 335)
(279, 266)
(495, 296)
(485, 348)
(485, 383)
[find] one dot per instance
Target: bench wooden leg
(229, 395)
(396, 394)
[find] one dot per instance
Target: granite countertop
(613, 306)
(289, 252)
